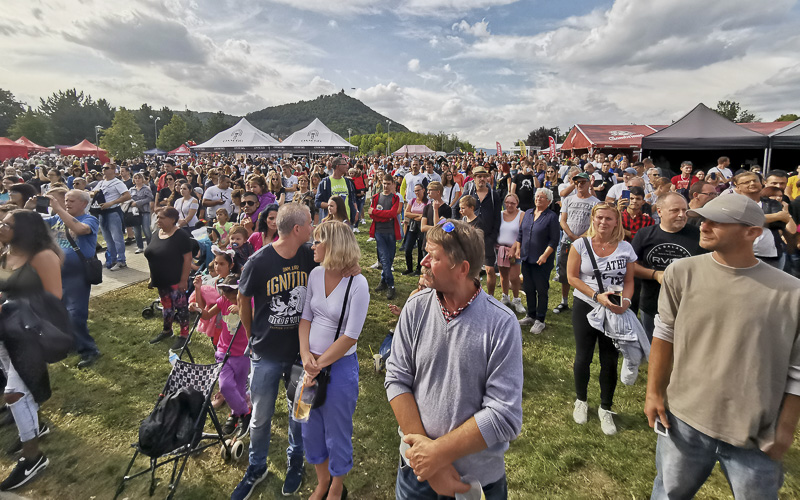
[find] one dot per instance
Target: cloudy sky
(488, 70)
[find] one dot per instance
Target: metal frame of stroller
(186, 374)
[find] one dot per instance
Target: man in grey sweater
(454, 378)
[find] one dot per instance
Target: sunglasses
(250, 203)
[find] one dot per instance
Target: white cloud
(479, 29)
(413, 65)
(333, 24)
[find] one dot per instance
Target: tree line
(376, 144)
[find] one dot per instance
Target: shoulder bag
(296, 376)
(92, 267)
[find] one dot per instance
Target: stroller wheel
(225, 449)
(237, 449)
(148, 313)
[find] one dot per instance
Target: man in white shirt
(289, 181)
(722, 170)
(412, 179)
(113, 192)
(430, 174)
(615, 192)
(219, 196)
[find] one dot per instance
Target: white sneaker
(139, 250)
(607, 421)
(375, 265)
(527, 320)
(355, 230)
(517, 304)
(370, 239)
(538, 327)
(118, 266)
(581, 412)
(506, 300)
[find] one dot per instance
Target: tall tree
(124, 139)
(789, 117)
(10, 108)
(173, 134)
(74, 115)
(142, 116)
(194, 126)
(215, 124)
(733, 111)
(540, 137)
(33, 125)
(378, 129)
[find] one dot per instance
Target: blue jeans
(265, 375)
(142, 229)
(75, 297)
(387, 248)
(408, 488)
(685, 459)
(113, 232)
(536, 282)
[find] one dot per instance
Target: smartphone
(626, 195)
(615, 299)
(42, 204)
(660, 429)
(712, 176)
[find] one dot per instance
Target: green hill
(338, 111)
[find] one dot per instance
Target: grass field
(95, 415)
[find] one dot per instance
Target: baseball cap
(731, 209)
(583, 175)
(631, 170)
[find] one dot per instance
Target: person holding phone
(615, 258)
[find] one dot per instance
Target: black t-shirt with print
(526, 188)
(278, 287)
(656, 249)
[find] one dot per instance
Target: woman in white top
(186, 206)
(328, 434)
(452, 191)
(615, 258)
(507, 263)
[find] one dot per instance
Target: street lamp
(155, 126)
(388, 135)
(97, 129)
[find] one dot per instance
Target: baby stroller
(186, 379)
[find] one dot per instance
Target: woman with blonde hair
(604, 242)
(333, 317)
(275, 186)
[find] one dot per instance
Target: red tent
(86, 148)
(765, 128)
(10, 149)
(32, 146)
(181, 150)
(607, 136)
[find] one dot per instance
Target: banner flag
(552, 147)
(522, 151)
(499, 149)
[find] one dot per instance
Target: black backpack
(172, 423)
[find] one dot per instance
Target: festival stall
(241, 137)
(32, 146)
(86, 148)
(182, 150)
(607, 138)
(154, 152)
(414, 150)
(315, 138)
(784, 148)
(11, 149)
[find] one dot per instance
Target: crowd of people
(263, 249)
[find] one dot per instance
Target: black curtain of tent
(704, 159)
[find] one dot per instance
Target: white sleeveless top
(509, 230)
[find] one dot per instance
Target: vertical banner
(552, 147)
(522, 152)
(499, 149)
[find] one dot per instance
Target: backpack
(171, 424)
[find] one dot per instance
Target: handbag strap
(344, 306)
(73, 244)
(597, 275)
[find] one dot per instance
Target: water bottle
(173, 357)
(303, 401)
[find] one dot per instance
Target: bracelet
(594, 297)
(653, 276)
(626, 298)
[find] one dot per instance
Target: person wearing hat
(169, 169)
(726, 386)
(615, 192)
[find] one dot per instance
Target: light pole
(388, 135)
(155, 127)
(97, 129)
(349, 134)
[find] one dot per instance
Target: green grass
(95, 416)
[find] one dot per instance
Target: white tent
(412, 150)
(315, 138)
(241, 137)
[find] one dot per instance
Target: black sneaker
(407, 272)
(88, 360)
(24, 472)
(561, 308)
(390, 293)
(381, 287)
(230, 425)
(254, 475)
(161, 336)
(243, 429)
(17, 446)
(293, 481)
(179, 343)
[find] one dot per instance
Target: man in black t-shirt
(275, 280)
(657, 246)
(524, 186)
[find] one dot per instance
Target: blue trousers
(408, 488)
(685, 459)
(328, 434)
(265, 375)
(75, 297)
(536, 283)
(113, 231)
(142, 229)
(387, 248)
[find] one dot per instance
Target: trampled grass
(95, 415)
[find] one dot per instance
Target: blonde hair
(463, 244)
(619, 231)
(341, 248)
(436, 186)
